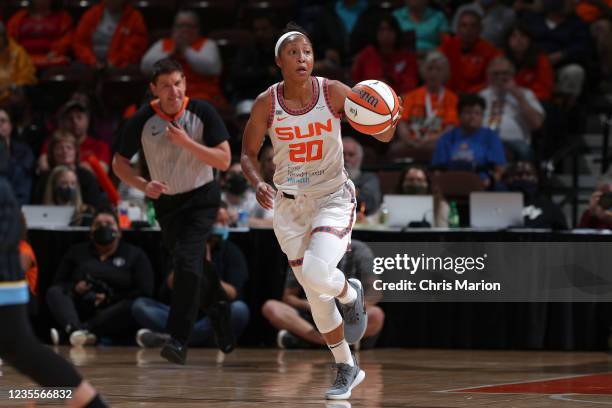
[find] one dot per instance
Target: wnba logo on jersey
(313, 129)
(311, 150)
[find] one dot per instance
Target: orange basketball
(371, 107)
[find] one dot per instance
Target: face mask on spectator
(104, 235)
(220, 231)
(236, 184)
(527, 187)
(65, 194)
(415, 189)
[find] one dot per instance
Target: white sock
(342, 353)
(349, 296)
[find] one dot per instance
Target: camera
(98, 286)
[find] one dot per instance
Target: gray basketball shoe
(355, 317)
(347, 378)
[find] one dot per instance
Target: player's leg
(329, 322)
(20, 348)
(284, 317)
(329, 240)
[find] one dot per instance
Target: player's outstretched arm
(338, 93)
(252, 140)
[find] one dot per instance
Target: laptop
(47, 216)
(496, 210)
(404, 209)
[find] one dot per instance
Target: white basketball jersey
(307, 143)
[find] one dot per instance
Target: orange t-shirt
(540, 79)
(588, 12)
(31, 274)
(443, 112)
(468, 68)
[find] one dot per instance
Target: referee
(182, 140)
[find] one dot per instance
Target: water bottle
(151, 214)
(243, 219)
(453, 216)
(383, 216)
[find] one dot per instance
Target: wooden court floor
(130, 377)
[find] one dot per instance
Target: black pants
(185, 220)
(68, 309)
(21, 349)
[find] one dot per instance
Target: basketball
(371, 107)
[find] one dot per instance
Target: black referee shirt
(168, 163)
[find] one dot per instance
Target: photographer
(599, 213)
(96, 284)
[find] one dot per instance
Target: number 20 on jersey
(307, 151)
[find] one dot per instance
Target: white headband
(283, 38)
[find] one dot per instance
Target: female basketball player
(314, 208)
(18, 345)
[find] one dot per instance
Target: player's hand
(265, 195)
(82, 287)
(177, 135)
(155, 188)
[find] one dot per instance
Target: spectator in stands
(96, 284)
(64, 151)
(198, 55)
(539, 210)
(21, 161)
(110, 34)
(598, 13)
(512, 111)
(340, 31)
(262, 217)
(565, 38)
(16, 70)
(63, 189)
(468, 54)
(44, 30)
(416, 180)
(229, 263)
(387, 60)
(599, 213)
(28, 261)
(533, 68)
(429, 111)
(428, 24)
(253, 68)
(470, 146)
(291, 315)
(237, 193)
(74, 117)
(497, 19)
(367, 185)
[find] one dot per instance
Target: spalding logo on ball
(371, 107)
